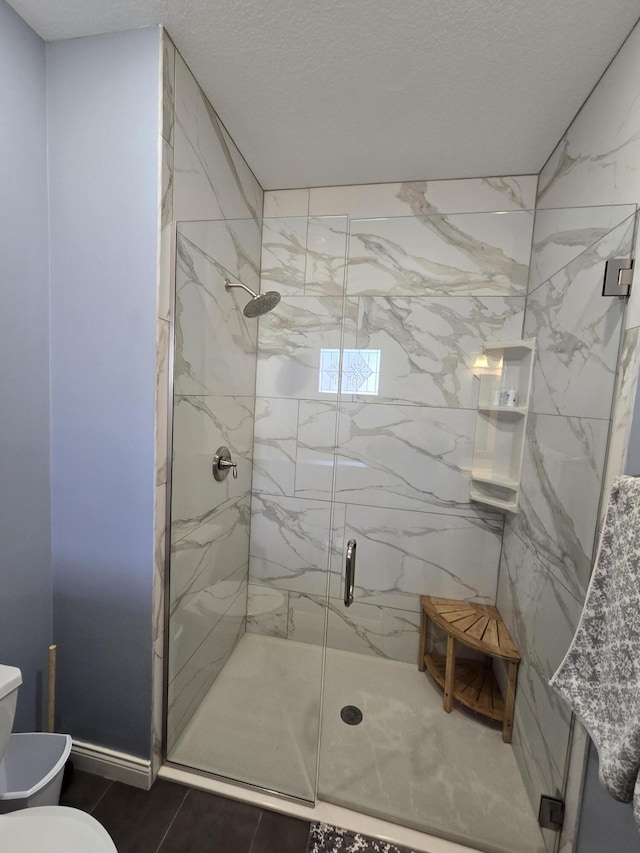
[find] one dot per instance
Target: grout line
(255, 831)
(101, 797)
(163, 839)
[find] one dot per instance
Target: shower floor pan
(407, 761)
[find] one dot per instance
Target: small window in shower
(360, 371)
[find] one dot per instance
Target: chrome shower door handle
(350, 572)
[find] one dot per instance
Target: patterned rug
(324, 838)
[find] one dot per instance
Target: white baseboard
(112, 764)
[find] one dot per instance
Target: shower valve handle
(222, 464)
(225, 464)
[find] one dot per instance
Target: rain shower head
(260, 303)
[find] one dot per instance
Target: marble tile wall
(597, 163)
(421, 273)
(548, 546)
(204, 177)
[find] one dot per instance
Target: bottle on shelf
(510, 397)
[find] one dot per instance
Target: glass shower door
(243, 702)
(421, 298)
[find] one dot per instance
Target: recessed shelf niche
(501, 428)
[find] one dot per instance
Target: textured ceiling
(322, 92)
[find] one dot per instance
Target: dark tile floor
(173, 819)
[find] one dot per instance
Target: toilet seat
(53, 829)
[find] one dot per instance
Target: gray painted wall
(103, 158)
(604, 823)
(25, 554)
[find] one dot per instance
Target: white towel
(600, 675)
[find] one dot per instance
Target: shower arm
(229, 284)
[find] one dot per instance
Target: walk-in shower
(349, 413)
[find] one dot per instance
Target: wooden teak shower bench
(471, 682)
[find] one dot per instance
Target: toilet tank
(10, 680)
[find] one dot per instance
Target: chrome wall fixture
(260, 303)
(222, 464)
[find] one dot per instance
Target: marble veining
(212, 179)
(596, 161)
(201, 425)
(405, 457)
(553, 721)
(560, 493)
(391, 466)
(208, 572)
(275, 445)
(267, 611)
(205, 364)
(302, 256)
(157, 669)
(284, 255)
(289, 546)
(364, 628)
(291, 339)
(203, 667)
(428, 345)
(574, 172)
(166, 199)
(578, 333)
(373, 630)
(404, 554)
(233, 244)
(539, 611)
(467, 195)
(197, 613)
(285, 203)
(326, 265)
(541, 736)
(460, 254)
(166, 232)
(560, 235)
(204, 177)
(316, 448)
(168, 87)
(210, 551)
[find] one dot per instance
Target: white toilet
(43, 829)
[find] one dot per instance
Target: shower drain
(351, 715)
